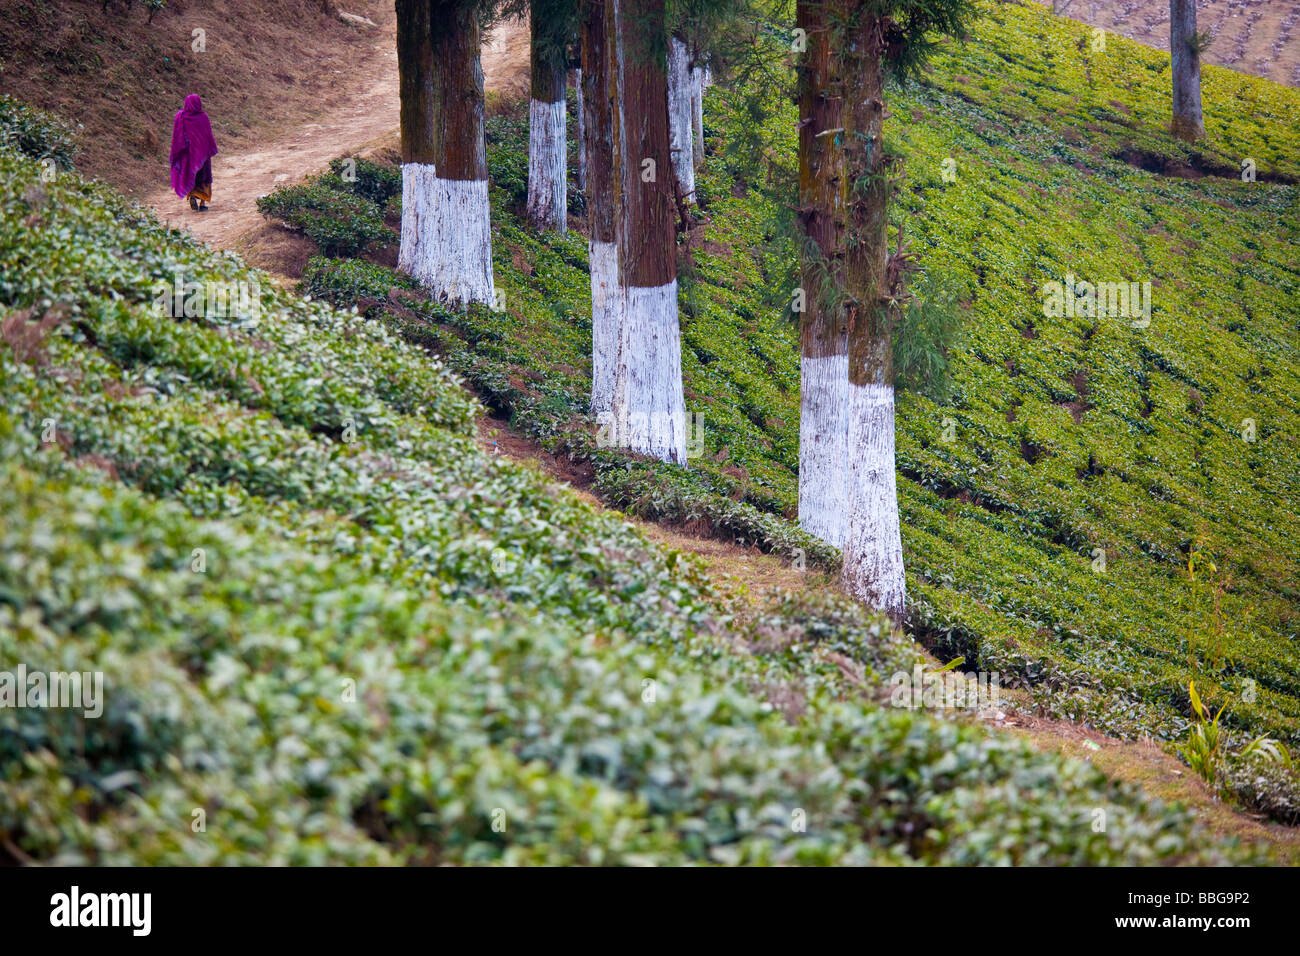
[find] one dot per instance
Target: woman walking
(192, 150)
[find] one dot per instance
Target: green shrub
(397, 641)
(39, 134)
(1264, 786)
(344, 283)
(340, 223)
(367, 178)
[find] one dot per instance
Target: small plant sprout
(1205, 750)
(1202, 748)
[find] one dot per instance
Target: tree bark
(446, 242)
(697, 116)
(547, 140)
(680, 123)
(581, 110)
(648, 411)
(873, 551)
(823, 332)
(604, 207)
(1187, 122)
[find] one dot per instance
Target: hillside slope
(122, 78)
(1090, 459)
(331, 629)
(1255, 36)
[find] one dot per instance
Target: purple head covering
(192, 144)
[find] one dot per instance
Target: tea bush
(1049, 538)
(336, 631)
(367, 178)
(37, 133)
(327, 211)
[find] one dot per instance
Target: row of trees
(641, 91)
(642, 72)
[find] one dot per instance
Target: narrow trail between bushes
(354, 122)
(743, 574)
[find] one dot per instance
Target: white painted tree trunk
(873, 552)
(697, 116)
(680, 86)
(649, 412)
(547, 154)
(582, 132)
(606, 320)
(446, 235)
(823, 447)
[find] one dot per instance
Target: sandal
(203, 207)
(194, 203)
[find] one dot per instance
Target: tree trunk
(599, 98)
(582, 131)
(547, 140)
(873, 551)
(697, 116)
(824, 362)
(1187, 121)
(680, 99)
(648, 413)
(446, 222)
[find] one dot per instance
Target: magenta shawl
(192, 144)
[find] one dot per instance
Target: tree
(604, 195)
(1185, 46)
(648, 409)
(580, 179)
(681, 103)
(855, 280)
(550, 27)
(823, 331)
(446, 240)
(699, 81)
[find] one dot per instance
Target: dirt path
(352, 123)
(741, 573)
